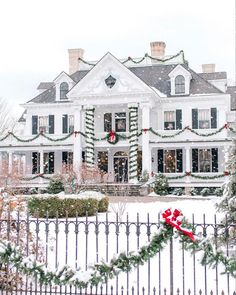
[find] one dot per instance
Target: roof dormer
(180, 81)
(63, 83)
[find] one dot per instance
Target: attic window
(179, 84)
(64, 88)
(110, 81)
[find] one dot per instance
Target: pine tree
(55, 185)
(161, 185)
(227, 204)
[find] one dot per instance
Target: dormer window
(179, 85)
(64, 88)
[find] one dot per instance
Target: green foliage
(55, 185)
(193, 192)
(161, 185)
(103, 204)
(178, 191)
(54, 206)
(205, 192)
(218, 192)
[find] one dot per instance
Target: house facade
(152, 114)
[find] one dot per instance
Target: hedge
(54, 206)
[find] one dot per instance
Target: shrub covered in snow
(55, 185)
(161, 185)
(218, 191)
(205, 192)
(178, 191)
(67, 206)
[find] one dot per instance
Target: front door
(121, 167)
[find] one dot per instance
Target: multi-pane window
(107, 122)
(35, 163)
(67, 123)
(103, 161)
(67, 158)
(64, 88)
(170, 161)
(179, 85)
(205, 160)
(120, 122)
(204, 118)
(173, 120)
(48, 163)
(44, 124)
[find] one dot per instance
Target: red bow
(226, 126)
(175, 220)
(226, 173)
(145, 130)
(112, 135)
(76, 132)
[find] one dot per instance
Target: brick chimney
(74, 55)
(208, 68)
(158, 49)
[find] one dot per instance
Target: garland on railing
(141, 59)
(89, 131)
(100, 273)
(188, 173)
(90, 134)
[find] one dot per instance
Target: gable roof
(154, 76)
(45, 85)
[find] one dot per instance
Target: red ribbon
(175, 220)
(145, 130)
(226, 173)
(226, 126)
(76, 132)
(112, 135)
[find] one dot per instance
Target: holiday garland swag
(100, 273)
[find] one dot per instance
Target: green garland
(142, 59)
(89, 130)
(10, 254)
(133, 143)
(90, 134)
(225, 173)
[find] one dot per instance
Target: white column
(187, 159)
(9, 162)
(77, 151)
(1, 163)
(41, 166)
(146, 152)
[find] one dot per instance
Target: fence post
(171, 268)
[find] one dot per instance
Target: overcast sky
(35, 35)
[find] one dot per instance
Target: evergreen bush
(178, 191)
(55, 185)
(161, 185)
(205, 192)
(54, 206)
(218, 192)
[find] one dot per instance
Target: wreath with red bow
(112, 137)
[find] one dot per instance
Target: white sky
(35, 35)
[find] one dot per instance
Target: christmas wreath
(173, 225)
(112, 137)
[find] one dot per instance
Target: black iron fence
(83, 241)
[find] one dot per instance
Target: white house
(126, 116)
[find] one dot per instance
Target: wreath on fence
(100, 273)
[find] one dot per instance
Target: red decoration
(188, 173)
(226, 173)
(112, 135)
(145, 130)
(175, 220)
(226, 126)
(76, 132)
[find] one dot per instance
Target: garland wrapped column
(133, 144)
(89, 133)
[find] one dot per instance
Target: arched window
(179, 84)
(64, 88)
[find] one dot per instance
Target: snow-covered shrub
(15, 229)
(205, 192)
(64, 206)
(193, 192)
(161, 185)
(218, 192)
(55, 185)
(178, 191)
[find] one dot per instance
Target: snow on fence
(83, 241)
